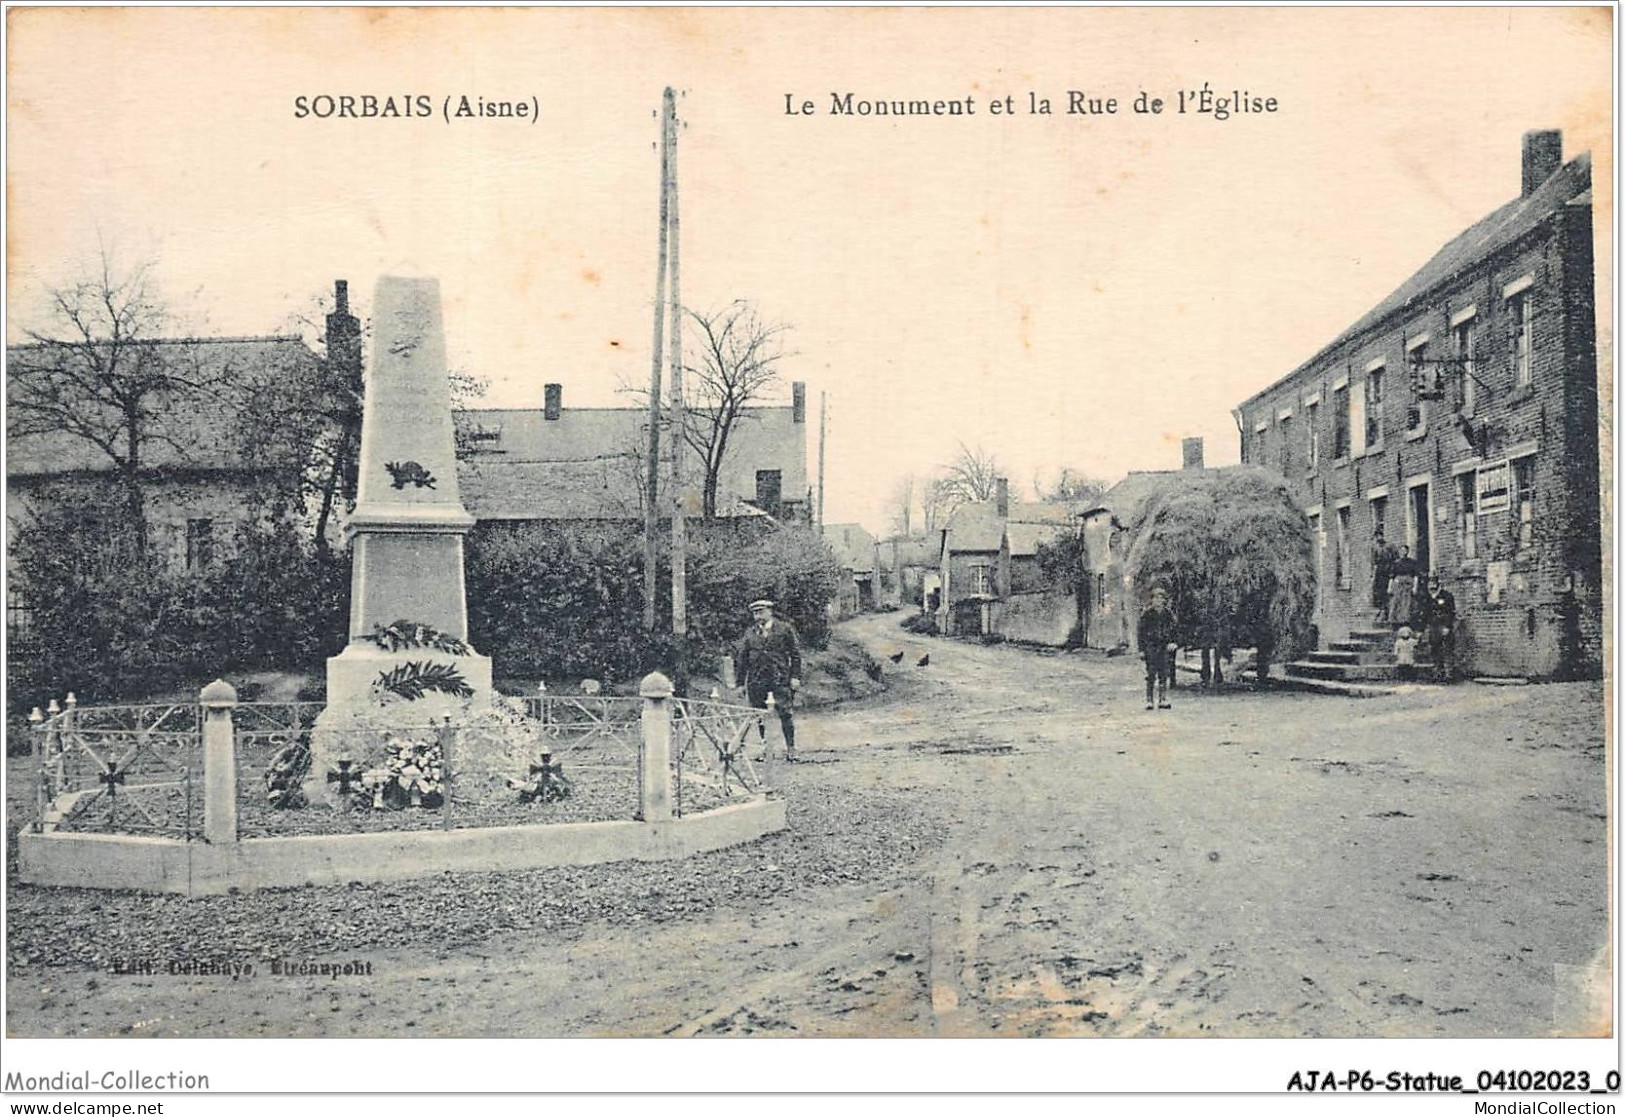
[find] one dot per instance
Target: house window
(1342, 554)
(1340, 422)
(1100, 589)
(1467, 515)
(1373, 409)
(1518, 305)
(981, 580)
(1379, 520)
(199, 544)
(1466, 386)
(19, 616)
(769, 488)
(1523, 480)
(1286, 444)
(1312, 419)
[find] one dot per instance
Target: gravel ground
(835, 837)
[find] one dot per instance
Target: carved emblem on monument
(403, 473)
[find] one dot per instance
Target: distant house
(910, 568)
(859, 559)
(991, 583)
(201, 448)
(210, 462)
(590, 463)
(1111, 603)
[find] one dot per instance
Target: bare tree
(973, 474)
(1069, 486)
(99, 369)
(736, 361)
(901, 504)
(936, 503)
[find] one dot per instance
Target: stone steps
(1344, 672)
(1322, 686)
(1364, 658)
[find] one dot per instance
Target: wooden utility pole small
(651, 501)
(823, 416)
(679, 529)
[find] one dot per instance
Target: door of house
(1418, 529)
(769, 489)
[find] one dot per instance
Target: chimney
(1001, 495)
(344, 335)
(1192, 450)
(798, 402)
(1542, 157)
(552, 400)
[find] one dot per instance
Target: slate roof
(1125, 499)
(910, 551)
(854, 547)
(1569, 184)
(976, 526)
(1025, 538)
(584, 465)
(207, 431)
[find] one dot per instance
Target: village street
(1426, 864)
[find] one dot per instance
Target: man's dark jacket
(771, 658)
(1439, 610)
(1156, 631)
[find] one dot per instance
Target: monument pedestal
(356, 726)
(353, 673)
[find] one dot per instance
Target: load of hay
(1238, 561)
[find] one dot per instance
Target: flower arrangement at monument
(412, 775)
(285, 775)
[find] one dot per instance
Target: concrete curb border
(200, 868)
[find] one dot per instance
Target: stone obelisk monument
(406, 533)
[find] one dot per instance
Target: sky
(1063, 290)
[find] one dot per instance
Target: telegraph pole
(679, 529)
(651, 502)
(823, 416)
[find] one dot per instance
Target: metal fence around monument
(121, 769)
(139, 769)
(711, 753)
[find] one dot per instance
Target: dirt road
(1427, 864)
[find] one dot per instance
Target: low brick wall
(199, 868)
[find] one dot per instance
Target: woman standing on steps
(1402, 589)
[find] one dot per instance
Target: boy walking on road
(1156, 634)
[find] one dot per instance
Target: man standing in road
(769, 663)
(1156, 633)
(1439, 612)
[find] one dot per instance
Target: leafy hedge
(565, 600)
(546, 601)
(110, 623)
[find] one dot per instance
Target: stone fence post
(654, 754)
(219, 762)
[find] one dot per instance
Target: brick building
(1459, 417)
